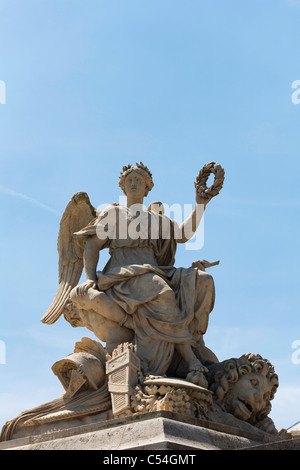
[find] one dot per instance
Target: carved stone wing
(78, 213)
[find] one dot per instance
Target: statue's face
(135, 185)
(249, 395)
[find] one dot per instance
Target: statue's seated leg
(89, 298)
(106, 330)
(99, 314)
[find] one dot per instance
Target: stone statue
(139, 295)
(151, 316)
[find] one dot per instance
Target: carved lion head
(244, 387)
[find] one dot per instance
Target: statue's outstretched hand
(203, 264)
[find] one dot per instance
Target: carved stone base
(172, 394)
(157, 430)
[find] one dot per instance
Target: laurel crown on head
(140, 168)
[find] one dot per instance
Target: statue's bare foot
(197, 377)
(195, 368)
(196, 373)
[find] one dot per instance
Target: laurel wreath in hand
(201, 181)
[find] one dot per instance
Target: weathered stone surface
(152, 317)
(289, 444)
(156, 430)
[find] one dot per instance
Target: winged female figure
(139, 295)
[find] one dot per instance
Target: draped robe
(168, 305)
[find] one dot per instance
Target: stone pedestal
(160, 430)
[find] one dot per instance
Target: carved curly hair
(142, 170)
(230, 371)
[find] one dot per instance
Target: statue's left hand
(203, 264)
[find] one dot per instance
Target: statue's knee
(99, 299)
(203, 276)
(210, 280)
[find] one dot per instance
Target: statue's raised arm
(203, 195)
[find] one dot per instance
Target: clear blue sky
(94, 85)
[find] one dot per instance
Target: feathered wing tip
(70, 278)
(78, 213)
